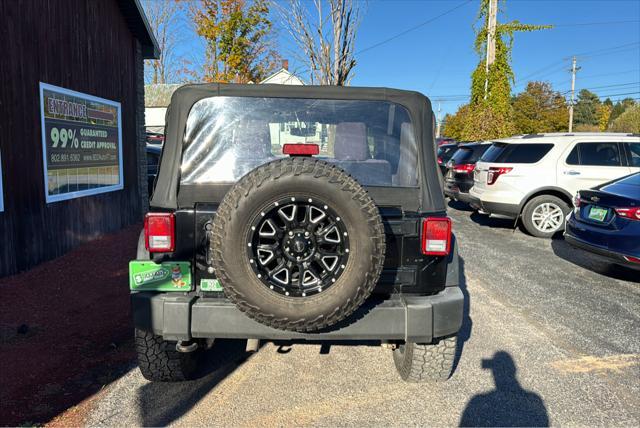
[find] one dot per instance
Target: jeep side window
(599, 154)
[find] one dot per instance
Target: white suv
(535, 176)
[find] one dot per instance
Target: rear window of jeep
(227, 137)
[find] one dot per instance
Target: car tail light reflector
(632, 259)
(465, 168)
(436, 236)
(577, 200)
(159, 232)
(301, 149)
(632, 213)
(495, 172)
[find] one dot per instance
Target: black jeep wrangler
(297, 213)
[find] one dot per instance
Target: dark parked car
(606, 221)
(154, 138)
(153, 158)
(459, 175)
(445, 152)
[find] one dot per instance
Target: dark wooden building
(71, 124)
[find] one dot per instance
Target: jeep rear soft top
(426, 197)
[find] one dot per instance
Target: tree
(496, 105)
(629, 121)
(500, 75)
(327, 42)
(585, 112)
(539, 109)
(604, 113)
(619, 108)
(164, 20)
(239, 39)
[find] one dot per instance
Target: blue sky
(437, 58)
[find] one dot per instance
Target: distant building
(157, 97)
(283, 77)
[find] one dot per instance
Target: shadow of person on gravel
(586, 260)
(162, 403)
(509, 405)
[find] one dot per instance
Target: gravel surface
(552, 336)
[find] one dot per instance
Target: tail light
(436, 236)
(159, 232)
(630, 213)
(632, 259)
(301, 149)
(495, 172)
(577, 200)
(440, 161)
(465, 168)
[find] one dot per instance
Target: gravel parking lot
(552, 336)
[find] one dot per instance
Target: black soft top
(165, 195)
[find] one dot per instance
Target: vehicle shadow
(464, 334)
(586, 260)
(508, 404)
(494, 222)
(459, 206)
(162, 403)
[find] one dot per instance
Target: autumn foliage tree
(239, 40)
(539, 109)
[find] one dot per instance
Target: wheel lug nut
(306, 234)
(290, 233)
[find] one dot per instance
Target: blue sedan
(606, 221)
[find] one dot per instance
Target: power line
(605, 50)
(583, 24)
(415, 27)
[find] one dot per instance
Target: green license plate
(166, 276)
(597, 213)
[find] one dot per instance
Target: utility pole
(573, 89)
(438, 122)
(492, 16)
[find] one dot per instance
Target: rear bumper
(457, 195)
(604, 253)
(410, 318)
(508, 210)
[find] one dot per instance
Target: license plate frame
(597, 213)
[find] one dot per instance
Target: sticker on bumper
(166, 276)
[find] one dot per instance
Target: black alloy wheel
(298, 247)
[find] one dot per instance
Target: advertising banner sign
(81, 143)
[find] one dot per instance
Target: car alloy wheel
(298, 247)
(547, 217)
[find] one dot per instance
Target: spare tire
(298, 244)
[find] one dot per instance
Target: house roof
(139, 25)
(283, 77)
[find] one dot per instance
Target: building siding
(86, 46)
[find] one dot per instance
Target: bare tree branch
(327, 42)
